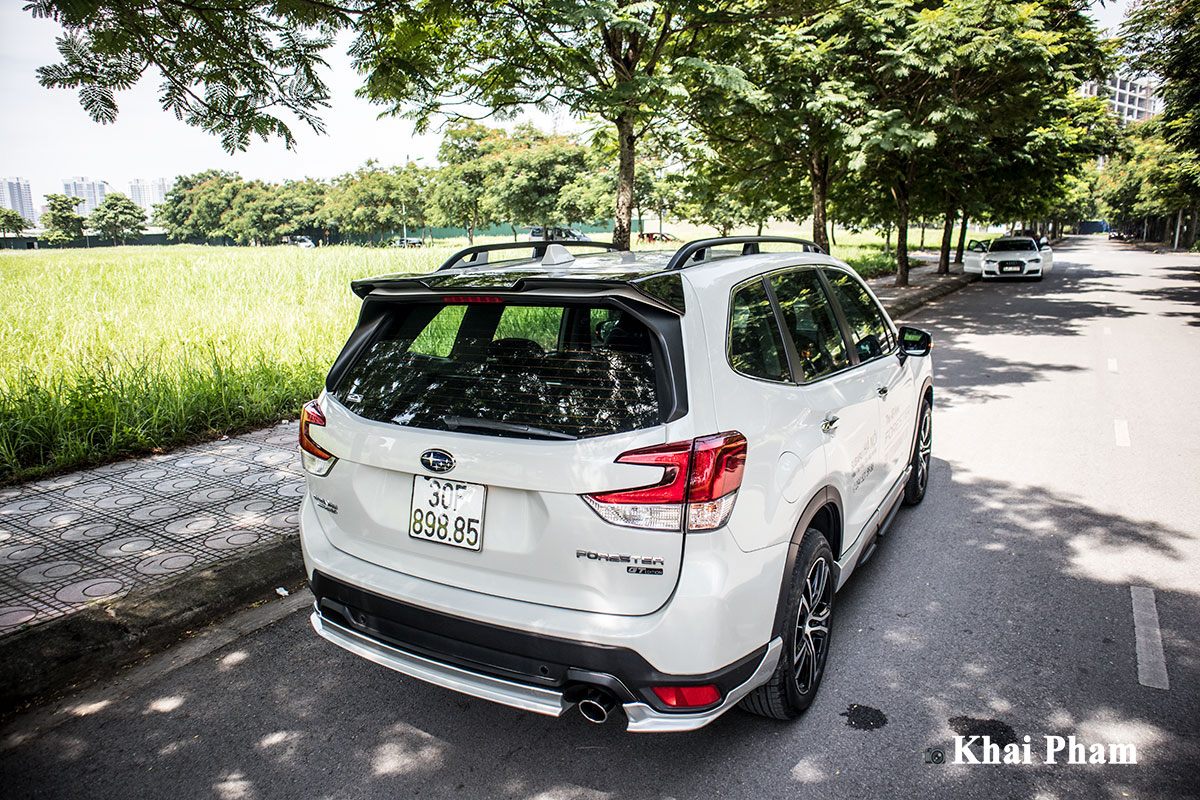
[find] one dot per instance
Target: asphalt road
(1066, 472)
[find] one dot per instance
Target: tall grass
(115, 351)
(112, 352)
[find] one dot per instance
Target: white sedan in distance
(1009, 257)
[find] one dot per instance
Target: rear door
(529, 404)
(846, 422)
(891, 380)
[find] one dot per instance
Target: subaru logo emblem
(438, 461)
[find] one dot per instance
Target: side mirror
(1043, 243)
(915, 342)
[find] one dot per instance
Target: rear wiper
(479, 423)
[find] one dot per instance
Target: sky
(47, 137)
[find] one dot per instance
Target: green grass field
(112, 352)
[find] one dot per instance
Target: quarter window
(755, 346)
(808, 318)
(869, 331)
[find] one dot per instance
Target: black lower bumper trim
(565, 664)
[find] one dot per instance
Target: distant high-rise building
(148, 194)
(15, 195)
(92, 193)
(1131, 100)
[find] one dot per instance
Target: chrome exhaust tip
(596, 706)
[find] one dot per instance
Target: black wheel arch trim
(827, 496)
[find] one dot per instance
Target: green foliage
(62, 224)
(196, 204)
(118, 218)
(1150, 177)
(229, 67)
(12, 222)
(1162, 37)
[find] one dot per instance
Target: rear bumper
(516, 668)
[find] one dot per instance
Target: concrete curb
(56, 656)
(899, 302)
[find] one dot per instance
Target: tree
(11, 222)
(368, 202)
(196, 205)
(526, 177)
(62, 224)
(118, 218)
(616, 61)
(457, 195)
(1162, 38)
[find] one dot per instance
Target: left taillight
(316, 459)
(698, 487)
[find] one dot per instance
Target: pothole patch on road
(864, 718)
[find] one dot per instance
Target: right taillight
(698, 487)
(316, 459)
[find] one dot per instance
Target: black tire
(796, 679)
(918, 481)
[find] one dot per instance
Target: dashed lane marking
(1152, 664)
(1112, 365)
(1121, 430)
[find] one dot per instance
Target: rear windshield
(1008, 245)
(531, 371)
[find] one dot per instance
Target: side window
(755, 347)
(870, 334)
(809, 320)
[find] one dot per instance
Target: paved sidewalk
(100, 566)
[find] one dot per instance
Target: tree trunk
(625, 165)
(900, 193)
(832, 228)
(962, 239)
(921, 246)
(947, 243)
(818, 177)
(887, 240)
(1191, 235)
(513, 228)
(760, 226)
(1178, 224)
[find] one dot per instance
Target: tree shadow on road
(934, 628)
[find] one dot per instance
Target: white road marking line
(1112, 365)
(1121, 429)
(1152, 664)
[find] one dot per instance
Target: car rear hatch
(468, 423)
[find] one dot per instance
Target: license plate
(447, 512)
(1010, 269)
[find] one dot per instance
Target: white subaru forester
(611, 479)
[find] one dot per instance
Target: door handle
(829, 424)
(882, 391)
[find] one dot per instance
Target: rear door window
(870, 334)
(755, 346)
(809, 319)
(533, 371)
